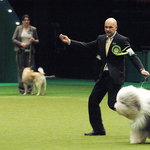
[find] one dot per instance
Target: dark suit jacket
(116, 64)
(17, 37)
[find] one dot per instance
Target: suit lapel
(103, 46)
(113, 42)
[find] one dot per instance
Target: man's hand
(144, 73)
(64, 39)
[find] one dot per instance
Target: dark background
(81, 20)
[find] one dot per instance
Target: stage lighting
(17, 23)
(5, 4)
(10, 10)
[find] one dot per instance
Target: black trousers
(104, 85)
(24, 59)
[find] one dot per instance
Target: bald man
(112, 70)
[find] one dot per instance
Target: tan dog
(30, 78)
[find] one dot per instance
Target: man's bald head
(110, 26)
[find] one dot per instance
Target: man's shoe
(93, 133)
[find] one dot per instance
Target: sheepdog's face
(128, 103)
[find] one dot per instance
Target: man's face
(110, 27)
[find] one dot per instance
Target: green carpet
(64, 81)
(58, 120)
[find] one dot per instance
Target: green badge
(116, 49)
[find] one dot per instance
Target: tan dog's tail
(41, 71)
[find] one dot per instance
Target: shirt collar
(112, 35)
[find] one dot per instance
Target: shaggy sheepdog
(134, 103)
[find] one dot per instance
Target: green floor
(64, 81)
(58, 120)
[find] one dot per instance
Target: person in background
(111, 48)
(25, 37)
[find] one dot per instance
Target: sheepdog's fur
(134, 103)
